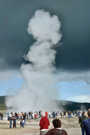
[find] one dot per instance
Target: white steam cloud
(38, 90)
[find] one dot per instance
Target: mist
(38, 91)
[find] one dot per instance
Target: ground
(32, 127)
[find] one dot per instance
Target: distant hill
(2, 103)
(2, 99)
(73, 106)
(67, 105)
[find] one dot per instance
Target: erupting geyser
(38, 90)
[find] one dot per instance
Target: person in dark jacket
(57, 129)
(86, 123)
(81, 119)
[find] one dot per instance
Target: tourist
(10, 120)
(22, 123)
(57, 129)
(86, 123)
(44, 123)
(81, 119)
(14, 120)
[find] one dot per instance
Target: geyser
(38, 90)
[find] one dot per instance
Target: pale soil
(32, 128)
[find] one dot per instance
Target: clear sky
(10, 84)
(78, 91)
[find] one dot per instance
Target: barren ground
(32, 128)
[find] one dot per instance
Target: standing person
(14, 120)
(44, 122)
(57, 128)
(86, 123)
(22, 123)
(81, 120)
(10, 120)
(24, 118)
(1, 116)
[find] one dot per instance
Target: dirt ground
(32, 127)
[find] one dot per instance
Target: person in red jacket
(44, 122)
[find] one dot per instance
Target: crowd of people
(84, 121)
(13, 117)
(44, 120)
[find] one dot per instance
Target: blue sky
(74, 91)
(10, 83)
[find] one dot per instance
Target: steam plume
(38, 90)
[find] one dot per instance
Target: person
(24, 118)
(69, 114)
(57, 128)
(86, 123)
(81, 119)
(22, 123)
(44, 122)
(10, 120)
(14, 120)
(1, 116)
